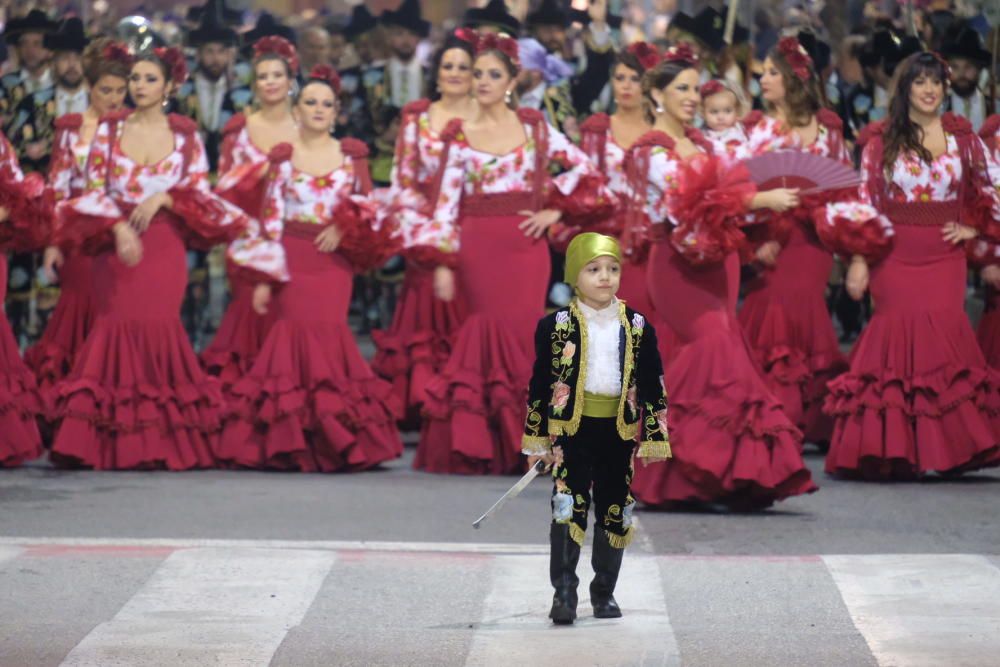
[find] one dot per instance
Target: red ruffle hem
(19, 402)
(919, 396)
(53, 356)
(240, 336)
(475, 408)
(732, 443)
(417, 344)
(788, 325)
(310, 402)
(136, 397)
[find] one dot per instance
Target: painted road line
(916, 610)
(209, 607)
(9, 553)
(515, 629)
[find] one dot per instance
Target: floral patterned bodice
(771, 134)
(68, 167)
(418, 156)
(664, 166)
(238, 148)
(731, 144)
(470, 172)
(10, 170)
(301, 197)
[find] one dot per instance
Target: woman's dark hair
(308, 82)
(508, 64)
(263, 58)
(452, 42)
(97, 66)
(803, 99)
(150, 57)
(662, 76)
(901, 134)
(627, 59)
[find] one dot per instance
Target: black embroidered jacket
(556, 392)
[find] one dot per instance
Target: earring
(166, 102)
(508, 97)
(659, 108)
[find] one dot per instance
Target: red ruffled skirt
(785, 318)
(19, 401)
(475, 408)
(988, 332)
(240, 336)
(137, 397)
(310, 401)
(732, 443)
(919, 396)
(53, 356)
(417, 344)
(634, 291)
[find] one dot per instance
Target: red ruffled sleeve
(854, 228)
(29, 214)
(982, 253)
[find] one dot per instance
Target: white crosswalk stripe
(209, 606)
(248, 603)
(918, 610)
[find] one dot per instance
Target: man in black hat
(202, 98)
(705, 32)
(869, 101)
(398, 82)
(360, 70)
(968, 59)
(494, 17)
(27, 37)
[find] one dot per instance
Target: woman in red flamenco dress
(136, 397)
(987, 256)
(106, 66)
(246, 141)
(418, 341)
(784, 312)
(919, 396)
(20, 215)
(310, 402)
(732, 444)
(496, 201)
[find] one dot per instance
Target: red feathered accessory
(118, 52)
(853, 228)
(327, 75)
(647, 54)
(174, 60)
(29, 214)
(501, 42)
(682, 52)
(707, 206)
(364, 246)
(587, 205)
(796, 56)
(278, 46)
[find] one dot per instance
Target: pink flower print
(661, 421)
(560, 397)
(568, 351)
(922, 193)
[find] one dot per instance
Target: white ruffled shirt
(604, 375)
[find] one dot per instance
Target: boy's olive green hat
(584, 249)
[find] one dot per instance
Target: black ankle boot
(565, 554)
(607, 562)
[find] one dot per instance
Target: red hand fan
(805, 171)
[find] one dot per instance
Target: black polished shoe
(607, 562)
(564, 555)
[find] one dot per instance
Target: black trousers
(596, 469)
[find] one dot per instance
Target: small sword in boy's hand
(513, 491)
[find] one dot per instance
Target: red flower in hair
(681, 52)
(646, 53)
(174, 60)
(796, 56)
(712, 87)
(279, 46)
(327, 74)
(118, 52)
(468, 35)
(501, 42)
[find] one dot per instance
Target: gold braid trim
(535, 445)
(626, 431)
(576, 533)
(620, 541)
(651, 451)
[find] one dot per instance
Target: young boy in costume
(596, 393)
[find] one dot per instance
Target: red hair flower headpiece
(468, 35)
(681, 52)
(712, 87)
(172, 57)
(280, 47)
(118, 52)
(647, 54)
(501, 42)
(326, 74)
(796, 56)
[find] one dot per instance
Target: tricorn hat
(968, 44)
(361, 22)
(68, 36)
(35, 21)
(550, 12)
(494, 15)
(408, 16)
(708, 27)
(212, 27)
